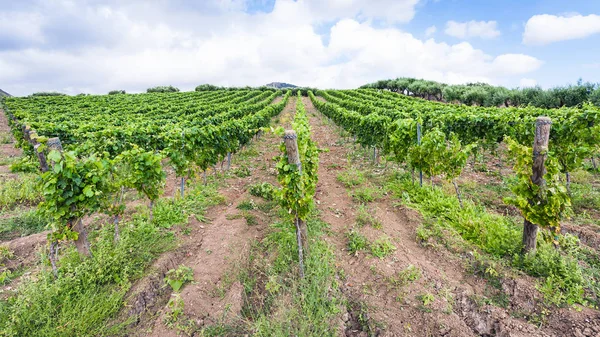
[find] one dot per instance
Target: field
(166, 214)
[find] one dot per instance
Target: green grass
(247, 205)
(21, 191)
(366, 194)
(87, 293)
(404, 277)
(5, 138)
(365, 217)
(562, 279)
(382, 247)
(351, 178)
(356, 242)
(23, 224)
(289, 305)
(175, 212)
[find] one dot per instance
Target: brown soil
(215, 251)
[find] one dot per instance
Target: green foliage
(208, 87)
(164, 88)
(404, 277)
(47, 94)
(20, 191)
(298, 185)
(382, 247)
(26, 165)
(366, 194)
(177, 278)
(351, 178)
(483, 94)
(356, 242)
(494, 234)
(426, 299)
(264, 190)
(73, 189)
(364, 217)
(26, 223)
(563, 278)
(143, 171)
(542, 205)
(117, 92)
(247, 205)
(87, 293)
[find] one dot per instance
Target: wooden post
(419, 143)
(540, 151)
(41, 157)
(54, 144)
(290, 140)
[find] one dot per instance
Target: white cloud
(430, 31)
(470, 29)
(527, 83)
(544, 29)
(143, 45)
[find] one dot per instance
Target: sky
(93, 46)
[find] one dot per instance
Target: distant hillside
(280, 85)
(4, 93)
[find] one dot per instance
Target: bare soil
(217, 249)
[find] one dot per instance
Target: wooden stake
(540, 150)
(290, 140)
(419, 143)
(41, 157)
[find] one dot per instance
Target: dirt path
(396, 310)
(216, 250)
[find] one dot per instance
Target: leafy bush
(169, 88)
(46, 94)
(208, 87)
(117, 92)
(264, 190)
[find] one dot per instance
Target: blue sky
(94, 46)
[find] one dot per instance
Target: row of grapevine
(575, 132)
(445, 143)
(297, 173)
(82, 182)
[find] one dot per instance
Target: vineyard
(263, 212)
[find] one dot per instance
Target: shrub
(163, 88)
(117, 92)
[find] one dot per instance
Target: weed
(88, 292)
(23, 224)
(351, 178)
(366, 194)
(177, 278)
(21, 191)
(264, 190)
(382, 247)
(242, 172)
(251, 219)
(356, 242)
(5, 138)
(404, 277)
(426, 301)
(365, 217)
(247, 205)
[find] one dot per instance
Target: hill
(280, 85)
(4, 93)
